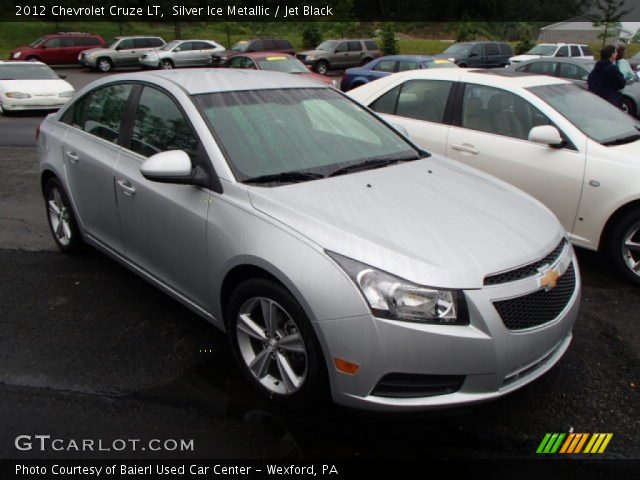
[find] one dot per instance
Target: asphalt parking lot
(89, 350)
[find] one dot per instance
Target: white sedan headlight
(67, 94)
(18, 95)
(334, 83)
(391, 297)
(17, 55)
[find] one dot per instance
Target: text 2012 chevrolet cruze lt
(337, 255)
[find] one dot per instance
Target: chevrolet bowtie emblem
(549, 279)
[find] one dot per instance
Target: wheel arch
(613, 219)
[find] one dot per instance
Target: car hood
(433, 221)
(314, 52)
(99, 50)
(35, 87)
(524, 58)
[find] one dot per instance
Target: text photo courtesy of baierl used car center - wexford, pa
(319, 238)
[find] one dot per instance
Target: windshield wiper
(372, 163)
(284, 177)
(622, 140)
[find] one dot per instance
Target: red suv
(58, 48)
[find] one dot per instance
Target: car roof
(497, 77)
(264, 54)
(215, 80)
(419, 58)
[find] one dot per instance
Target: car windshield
(327, 46)
(37, 42)
(241, 46)
(542, 50)
(439, 64)
(170, 45)
(282, 64)
(458, 49)
(595, 117)
(307, 131)
(113, 43)
(26, 72)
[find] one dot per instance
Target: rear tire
(321, 67)
(259, 316)
(463, 65)
(623, 245)
(61, 219)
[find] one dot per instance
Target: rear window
(156, 42)
(371, 45)
(270, 45)
(355, 46)
(141, 43)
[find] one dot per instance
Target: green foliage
(611, 14)
(389, 41)
(311, 35)
(524, 46)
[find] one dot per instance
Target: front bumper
(87, 61)
(149, 62)
(493, 360)
(33, 103)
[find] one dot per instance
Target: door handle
(72, 156)
(466, 148)
(126, 187)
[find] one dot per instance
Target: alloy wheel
(271, 346)
(104, 65)
(631, 248)
(59, 216)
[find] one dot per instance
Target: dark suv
(340, 54)
(280, 45)
(58, 48)
(479, 54)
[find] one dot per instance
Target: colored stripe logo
(574, 443)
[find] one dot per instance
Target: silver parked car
(336, 254)
(181, 53)
(122, 52)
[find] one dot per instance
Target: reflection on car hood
(448, 228)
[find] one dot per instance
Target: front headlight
(334, 83)
(310, 57)
(17, 95)
(391, 297)
(67, 94)
(17, 54)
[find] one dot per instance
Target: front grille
(527, 270)
(302, 58)
(409, 385)
(539, 307)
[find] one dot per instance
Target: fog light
(346, 367)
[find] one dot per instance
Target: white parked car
(573, 151)
(31, 86)
(566, 50)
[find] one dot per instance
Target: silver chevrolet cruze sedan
(337, 255)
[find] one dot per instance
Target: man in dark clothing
(605, 80)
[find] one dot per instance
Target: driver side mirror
(547, 135)
(401, 130)
(177, 49)
(172, 166)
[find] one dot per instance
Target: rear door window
(385, 66)
(100, 112)
(371, 45)
(355, 46)
(491, 49)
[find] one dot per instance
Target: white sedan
(573, 151)
(31, 86)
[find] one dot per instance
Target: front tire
(321, 67)
(32, 58)
(624, 245)
(166, 64)
(62, 221)
(104, 65)
(628, 106)
(274, 343)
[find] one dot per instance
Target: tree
(611, 14)
(311, 35)
(389, 42)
